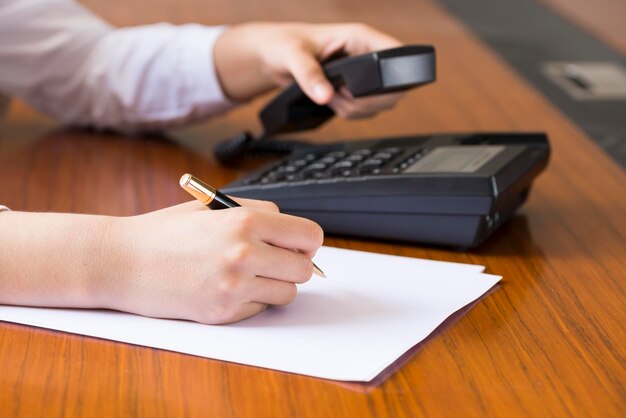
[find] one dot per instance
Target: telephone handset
(379, 72)
(371, 74)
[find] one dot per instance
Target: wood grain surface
(549, 342)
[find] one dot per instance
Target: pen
(214, 199)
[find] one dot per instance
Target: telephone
(445, 189)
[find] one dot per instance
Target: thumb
(309, 75)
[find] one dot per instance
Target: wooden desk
(548, 342)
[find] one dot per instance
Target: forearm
(65, 61)
(49, 259)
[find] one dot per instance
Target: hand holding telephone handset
(379, 72)
(441, 189)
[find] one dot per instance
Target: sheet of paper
(370, 310)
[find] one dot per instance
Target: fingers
(271, 292)
(245, 293)
(354, 39)
(284, 231)
(309, 44)
(348, 107)
(254, 203)
(195, 206)
(290, 232)
(361, 39)
(277, 263)
(308, 73)
(246, 310)
(260, 293)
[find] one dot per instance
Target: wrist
(241, 70)
(107, 258)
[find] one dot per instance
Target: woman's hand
(253, 58)
(185, 262)
(208, 266)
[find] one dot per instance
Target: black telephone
(442, 189)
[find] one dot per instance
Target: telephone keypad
(340, 163)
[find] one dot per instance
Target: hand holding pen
(214, 199)
(187, 262)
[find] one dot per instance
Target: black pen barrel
(221, 201)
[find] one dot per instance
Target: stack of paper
(352, 325)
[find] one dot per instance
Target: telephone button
(373, 162)
(383, 155)
(337, 154)
(341, 167)
(355, 158)
(328, 160)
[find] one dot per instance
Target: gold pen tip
(318, 271)
(184, 180)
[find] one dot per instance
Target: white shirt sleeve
(63, 60)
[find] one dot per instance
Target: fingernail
(320, 91)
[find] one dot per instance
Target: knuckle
(304, 272)
(340, 111)
(290, 294)
(351, 106)
(227, 289)
(294, 45)
(297, 57)
(238, 257)
(221, 314)
(243, 219)
(270, 206)
(218, 312)
(316, 234)
(241, 222)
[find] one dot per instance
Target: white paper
(350, 326)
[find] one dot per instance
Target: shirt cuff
(3, 208)
(208, 94)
